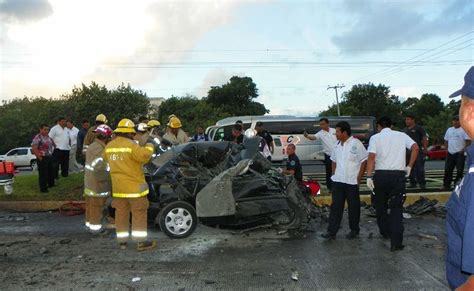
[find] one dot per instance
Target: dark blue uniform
(460, 228)
(294, 164)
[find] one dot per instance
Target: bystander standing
(73, 133)
(200, 135)
(43, 147)
(418, 134)
(80, 141)
(59, 134)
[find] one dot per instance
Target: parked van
(287, 129)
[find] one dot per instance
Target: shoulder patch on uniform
(293, 163)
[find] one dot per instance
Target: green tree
(428, 105)
(369, 100)
(236, 97)
(21, 117)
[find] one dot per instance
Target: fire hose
(72, 208)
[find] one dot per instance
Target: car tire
(293, 216)
(34, 165)
(178, 219)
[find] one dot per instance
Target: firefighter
(91, 134)
(154, 128)
(97, 186)
(142, 134)
(175, 134)
(129, 188)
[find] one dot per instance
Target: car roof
(263, 118)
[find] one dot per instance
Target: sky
(293, 50)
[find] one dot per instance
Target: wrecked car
(220, 183)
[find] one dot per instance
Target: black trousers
(417, 174)
(46, 173)
(340, 193)
(453, 160)
(328, 164)
(389, 190)
(61, 158)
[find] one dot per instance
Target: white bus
(286, 129)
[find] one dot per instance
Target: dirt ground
(50, 251)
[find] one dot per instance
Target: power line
(413, 58)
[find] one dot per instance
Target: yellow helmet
(171, 116)
(101, 118)
(125, 126)
(153, 123)
(174, 122)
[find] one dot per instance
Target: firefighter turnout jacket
(126, 160)
(89, 138)
(96, 178)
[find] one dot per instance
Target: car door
(23, 158)
(12, 156)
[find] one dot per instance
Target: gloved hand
(370, 184)
(407, 171)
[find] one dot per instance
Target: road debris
(43, 251)
(9, 244)
(64, 241)
(427, 236)
(136, 279)
(422, 206)
(294, 275)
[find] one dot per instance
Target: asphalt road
(50, 251)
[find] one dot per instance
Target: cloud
(25, 10)
(396, 24)
(129, 44)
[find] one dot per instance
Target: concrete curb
(32, 206)
(442, 198)
(37, 206)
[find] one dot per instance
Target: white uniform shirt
(60, 137)
(73, 135)
(390, 149)
(348, 157)
(456, 138)
(328, 139)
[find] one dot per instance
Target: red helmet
(104, 130)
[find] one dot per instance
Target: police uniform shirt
(328, 139)
(60, 137)
(456, 138)
(294, 164)
(416, 133)
(390, 149)
(348, 157)
(460, 228)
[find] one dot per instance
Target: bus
(286, 129)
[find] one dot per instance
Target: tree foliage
(21, 118)
(236, 97)
(377, 101)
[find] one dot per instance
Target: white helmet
(249, 133)
(142, 127)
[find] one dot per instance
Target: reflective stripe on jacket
(96, 177)
(126, 160)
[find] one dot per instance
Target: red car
(437, 152)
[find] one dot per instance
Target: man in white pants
(72, 131)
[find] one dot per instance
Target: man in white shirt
(59, 134)
(349, 159)
(73, 132)
(387, 155)
(327, 136)
(456, 141)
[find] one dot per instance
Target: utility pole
(337, 97)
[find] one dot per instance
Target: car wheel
(34, 165)
(292, 217)
(178, 219)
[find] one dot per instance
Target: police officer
(460, 218)
(293, 166)
(129, 188)
(387, 154)
(348, 166)
(97, 184)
